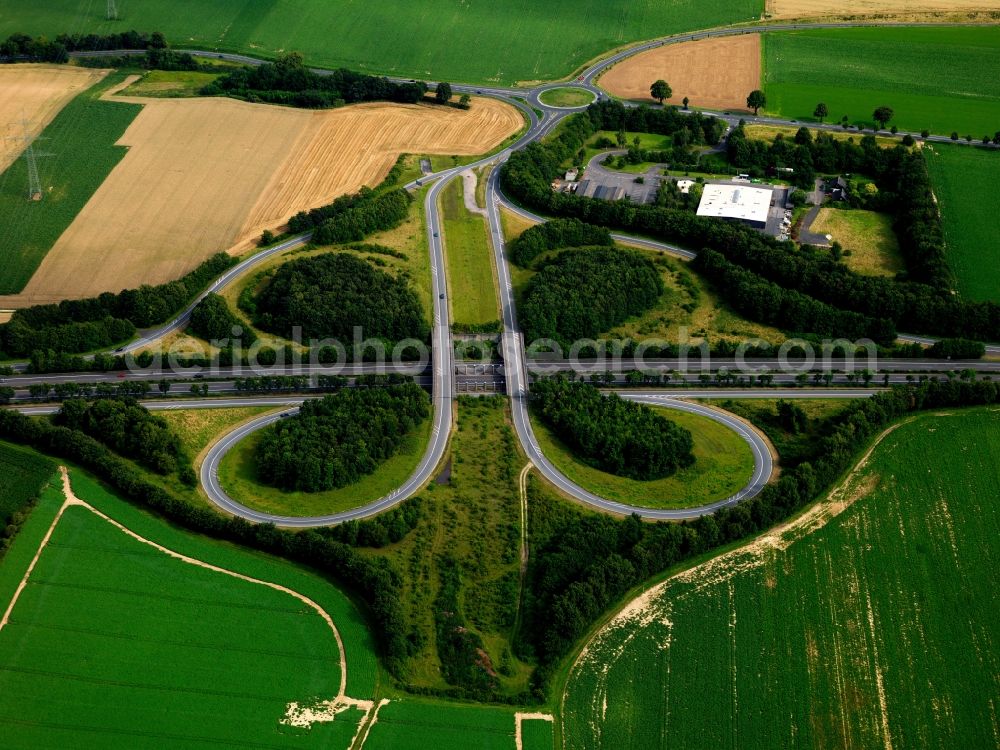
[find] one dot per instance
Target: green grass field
(723, 464)
(877, 629)
(964, 182)
(941, 79)
(491, 42)
(238, 476)
(566, 97)
(170, 84)
(24, 474)
(197, 428)
(870, 245)
(115, 644)
(413, 724)
(82, 138)
(472, 292)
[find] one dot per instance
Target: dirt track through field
(712, 73)
(909, 8)
(204, 175)
(72, 499)
(35, 93)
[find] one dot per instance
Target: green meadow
(873, 627)
(500, 42)
(939, 79)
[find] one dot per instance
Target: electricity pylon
(112, 11)
(31, 157)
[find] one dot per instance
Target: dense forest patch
(337, 440)
(329, 295)
(615, 435)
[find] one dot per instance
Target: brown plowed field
(906, 9)
(712, 73)
(35, 93)
(204, 175)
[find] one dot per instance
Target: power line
(31, 157)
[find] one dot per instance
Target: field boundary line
(72, 499)
(367, 727)
(38, 553)
(521, 717)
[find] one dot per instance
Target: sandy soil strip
(72, 499)
(712, 73)
(818, 8)
(36, 93)
(368, 728)
(522, 485)
(521, 717)
(38, 554)
(469, 182)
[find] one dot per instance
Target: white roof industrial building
(737, 202)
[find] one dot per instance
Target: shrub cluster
(212, 320)
(129, 429)
(610, 433)
(766, 302)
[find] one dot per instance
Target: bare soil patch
(712, 73)
(36, 93)
(204, 175)
(905, 10)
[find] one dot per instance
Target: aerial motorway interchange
(616, 375)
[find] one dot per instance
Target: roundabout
(567, 97)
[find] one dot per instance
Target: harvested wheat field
(906, 8)
(712, 73)
(208, 174)
(36, 93)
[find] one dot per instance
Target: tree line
(584, 292)
(589, 562)
(384, 529)
(74, 326)
(375, 581)
(528, 173)
(758, 299)
(336, 440)
(288, 81)
(328, 295)
(555, 234)
(612, 434)
(130, 430)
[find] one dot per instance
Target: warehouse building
(737, 202)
